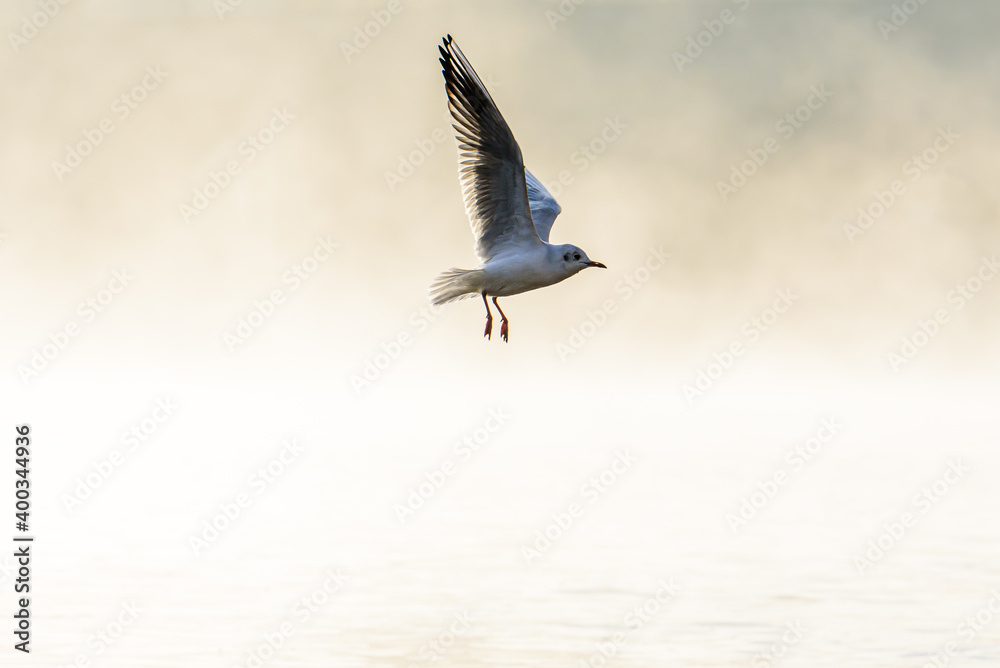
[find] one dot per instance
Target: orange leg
(503, 321)
(489, 317)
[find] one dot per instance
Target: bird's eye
(566, 257)
(576, 256)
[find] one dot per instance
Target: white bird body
(514, 273)
(532, 268)
(511, 212)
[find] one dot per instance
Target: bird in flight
(510, 210)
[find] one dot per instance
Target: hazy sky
(362, 155)
(218, 223)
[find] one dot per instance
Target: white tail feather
(456, 284)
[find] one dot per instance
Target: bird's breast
(505, 276)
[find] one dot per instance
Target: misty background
(138, 275)
(655, 185)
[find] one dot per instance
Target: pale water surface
(663, 521)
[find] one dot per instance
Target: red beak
(596, 264)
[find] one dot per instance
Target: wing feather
(544, 207)
(491, 167)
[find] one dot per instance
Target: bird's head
(574, 259)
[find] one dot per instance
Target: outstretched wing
(492, 170)
(544, 207)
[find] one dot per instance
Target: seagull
(511, 212)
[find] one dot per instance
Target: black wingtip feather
(489, 157)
